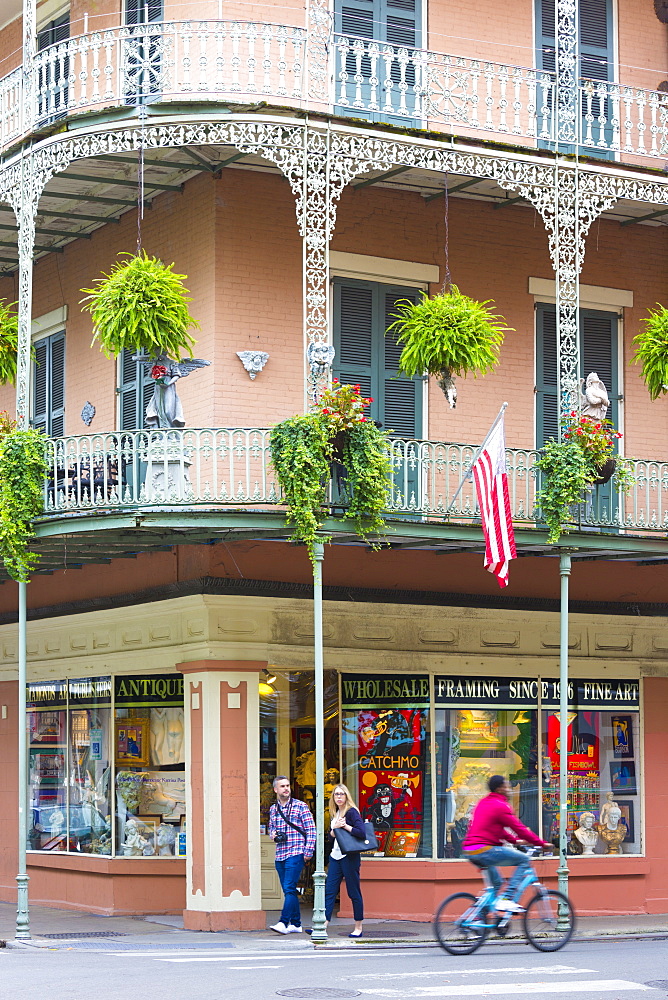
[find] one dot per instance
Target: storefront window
(149, 752)
(492, 725)
(386, 758)
(77, 757)
(287, 735)
(69, 769)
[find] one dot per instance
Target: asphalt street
(614, 970)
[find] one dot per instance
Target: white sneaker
(294, 930)
(280, 928)
(509, 906)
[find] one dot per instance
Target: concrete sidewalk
(69, 929)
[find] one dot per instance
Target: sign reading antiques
(522, 692)
(154, 689)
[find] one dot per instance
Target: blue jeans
(347, 867)
(288, 873)
(504, 856)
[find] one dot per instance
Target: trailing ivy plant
(9, 342)
(302, 451)
(23, 468)
(652, 351)
(141, 305)
(449, 334)
(572, 465)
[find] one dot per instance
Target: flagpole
(469, 474)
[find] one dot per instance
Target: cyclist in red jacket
(494, 824)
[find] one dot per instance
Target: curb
(386, 945)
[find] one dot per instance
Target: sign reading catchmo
(523, 692)
(374, 691)
(148, 690)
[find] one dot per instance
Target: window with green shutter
(382, 87)
(596, 61)
(143, 57)
(52, 91)
(598, 353)
(48, 406)
(366, 356)
(135, 390)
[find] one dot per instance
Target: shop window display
(69, 765)
(150, 766)
(386, 761)
(94, 769)
(488, 726)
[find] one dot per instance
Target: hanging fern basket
(141, 306)
(449, 334)
(652, 351)
(9, 342)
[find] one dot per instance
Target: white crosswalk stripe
(543, 988)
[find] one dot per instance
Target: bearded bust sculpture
(585, 834)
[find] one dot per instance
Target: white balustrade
(217, 468)
(252, 61)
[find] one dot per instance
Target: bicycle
(462, 921)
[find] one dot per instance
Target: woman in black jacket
(345, 815)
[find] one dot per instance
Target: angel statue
(594, 397)
(164, 408)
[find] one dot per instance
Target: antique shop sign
(522, 692)
(148, 690)
(369, 691)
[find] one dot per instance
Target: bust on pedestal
(586, 834)
(614, 831)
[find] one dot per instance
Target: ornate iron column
(316, 224)
(319, 933)
(564, 572)
(566, 20)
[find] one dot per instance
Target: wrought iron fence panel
(228, 467)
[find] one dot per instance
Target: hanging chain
(141, 111)
(445, 287)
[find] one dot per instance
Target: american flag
(491, 484)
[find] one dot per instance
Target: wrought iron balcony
(245, 61)
(224, 468)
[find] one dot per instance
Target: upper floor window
(376, 67)
(48, 409)
(596, 63)
(144, 56)
(135, 388)
(53, 68)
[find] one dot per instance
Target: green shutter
(393, 22)
(48, 408)
(598, 352)
(135, 391)
(364, 356)
(40, 382)
(596, 55)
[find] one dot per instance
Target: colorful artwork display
(390, 746)
(402, 844)
(622, 735)
(583, 741)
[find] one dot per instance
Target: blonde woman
(345, 816)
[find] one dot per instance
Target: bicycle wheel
(549, 920)
(458, 926)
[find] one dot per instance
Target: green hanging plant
(449, 334)
(652, 351)
(573, 465)
(9, 342)
(23, 468)
(303, 448)
(142, 306)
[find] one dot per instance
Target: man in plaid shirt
(292, 829)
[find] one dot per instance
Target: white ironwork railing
(206, 60)
(229, 467)
(376, 78)
(196, 60)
